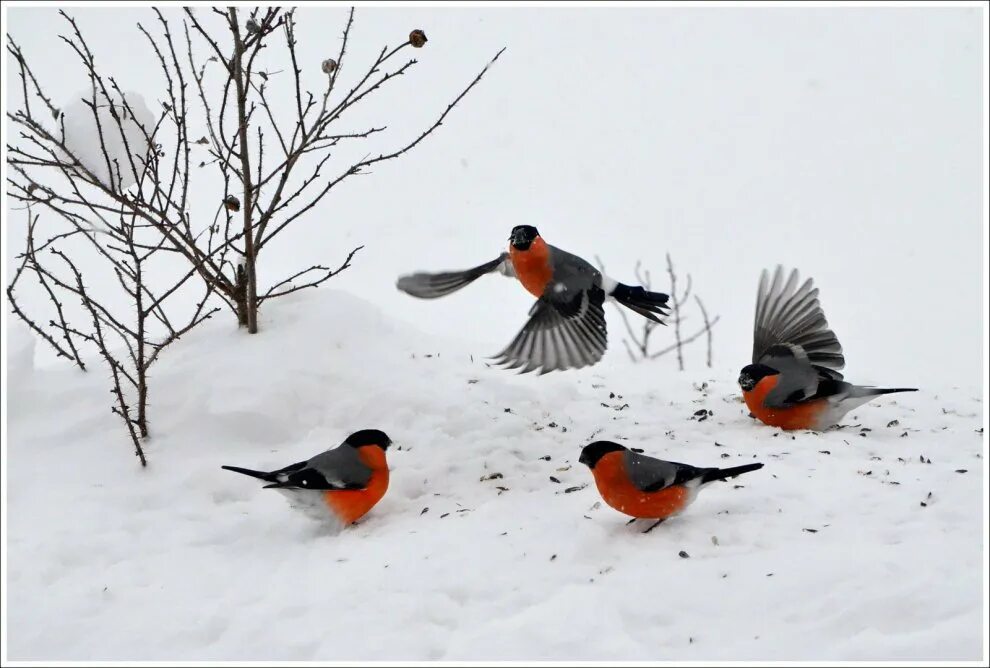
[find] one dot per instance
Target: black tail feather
(642, 301)
(722, 474)
(262, 475)
(889, 390)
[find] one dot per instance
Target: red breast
(532, 266)
(349, 505)
(620, 493)
(800, 416)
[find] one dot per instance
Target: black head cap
(369, 437)
(522, 236)
(595, 451)
(752, 374)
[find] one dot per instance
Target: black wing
(788, 314)
(431, 286)
(339, 468)
(566, 330)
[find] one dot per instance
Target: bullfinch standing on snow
(794, 380)
(340, 485)
(648, 488)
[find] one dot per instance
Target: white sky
(846, 142)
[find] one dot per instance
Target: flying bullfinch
(794, 380)
(647, 488)
(566, 327)
(340, 485)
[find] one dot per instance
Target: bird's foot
(654, 525)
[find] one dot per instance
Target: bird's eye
(305, 482)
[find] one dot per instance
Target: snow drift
(859, 543)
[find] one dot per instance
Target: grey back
(341, 466)
(572, 271)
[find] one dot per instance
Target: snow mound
(860, 543)
(125, 145)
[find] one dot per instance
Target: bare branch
(328, 274)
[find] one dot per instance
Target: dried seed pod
(232, 203)
(329, 66)
(417, 38)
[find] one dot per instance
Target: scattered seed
(961, 470)
(893, 423)
(574, 489)
(423, 511)
(491, 476)
(810, 530)
(552, 479)
(683, 555)
(714, 540)
(552, 557)
(444, 515)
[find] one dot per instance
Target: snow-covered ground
(859, 543)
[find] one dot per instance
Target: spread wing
(791, 315)
(565, 330)
(652, 475)
(339, 468)
(431, 286)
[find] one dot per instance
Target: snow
(845, 142)
(819, 555)
(92, 142)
